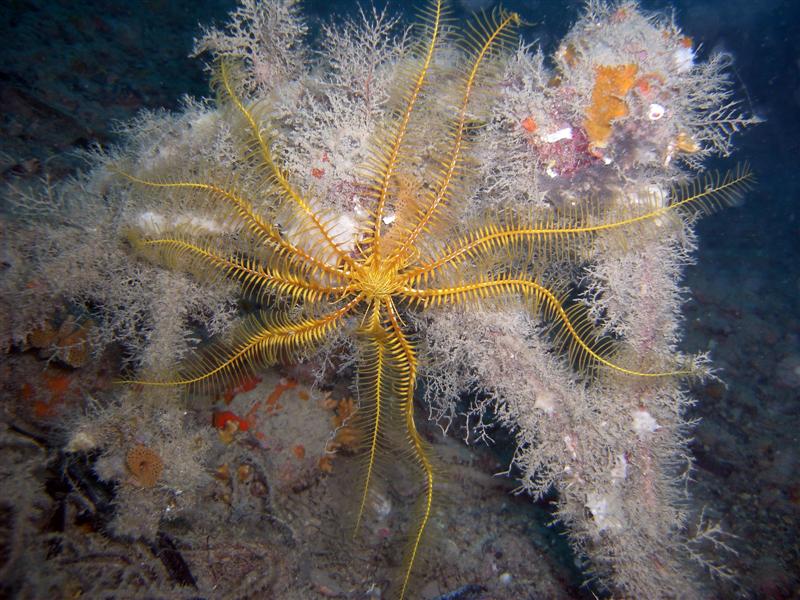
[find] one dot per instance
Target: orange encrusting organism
(284, 385)
(145, 464)
(611, 85)
(529, 124)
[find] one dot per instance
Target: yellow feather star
(326, 287)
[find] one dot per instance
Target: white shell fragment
(644, 423)
(196, 222)
(620, 470)
(604, 511)
(545, 401)
(557, 136)
(151, 221)
(655, 112)
(683, 59)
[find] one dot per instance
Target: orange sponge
(611, 84)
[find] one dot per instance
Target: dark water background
(69, 69)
